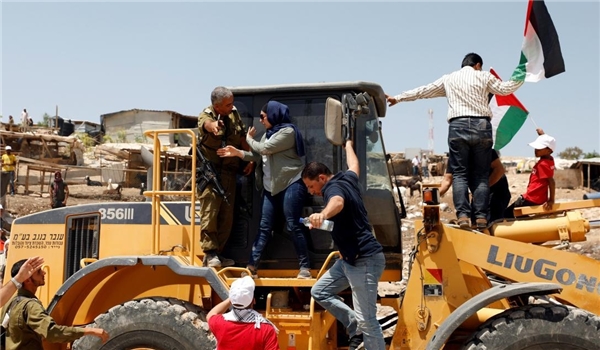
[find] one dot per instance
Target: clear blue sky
(96, 58)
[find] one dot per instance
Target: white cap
(544, 141)
(8, 148)
(241, 293)
(1, 207)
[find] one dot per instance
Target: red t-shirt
(537, 189)
(238, 335)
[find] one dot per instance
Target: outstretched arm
(502, 88)
(28, 268)
(97, 332)
(435, 89)
(351, 158)
(230, 151)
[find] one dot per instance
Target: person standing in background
(59, 192)
(9, 162)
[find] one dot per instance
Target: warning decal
(433, 276)
(432, 283)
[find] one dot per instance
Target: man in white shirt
(415, 164)
(24, 120)
(470, 131)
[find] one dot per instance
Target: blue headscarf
(278, 116)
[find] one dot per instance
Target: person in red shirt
(242, 327)
(541, 187)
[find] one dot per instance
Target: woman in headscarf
(59, 191)
(280, 153)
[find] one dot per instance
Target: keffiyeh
(247, 316)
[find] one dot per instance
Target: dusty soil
(20, 204)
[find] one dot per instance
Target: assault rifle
(206, 175)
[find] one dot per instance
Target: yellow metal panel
(109, 288)
(522, 262)
(557, 207)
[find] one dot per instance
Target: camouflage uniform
(216, 215)
(29, 323)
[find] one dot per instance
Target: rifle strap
(12, 304)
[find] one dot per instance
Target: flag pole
(534, 123)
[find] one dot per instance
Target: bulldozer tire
(540, 326)
(156, 323)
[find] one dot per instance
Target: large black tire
(158, 324)
(541, 326)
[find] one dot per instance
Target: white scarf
(247, 316)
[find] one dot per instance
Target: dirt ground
(80, 193)
(20, 204)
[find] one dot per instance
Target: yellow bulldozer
(135, 269)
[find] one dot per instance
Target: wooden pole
(588, 176)
(56, 118)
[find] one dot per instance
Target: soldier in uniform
(28, 321)
(27, 269)
(220, 125)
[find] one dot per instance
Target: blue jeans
(11, 181)
(289, 202)
(470, 143)
(362, 278)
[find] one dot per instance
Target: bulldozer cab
(308, 104)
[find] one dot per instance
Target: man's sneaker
(464, 223)
(226, 262)
(212, 260)
(304, 274)
(253, 272)
(355, 342)
(481, 224)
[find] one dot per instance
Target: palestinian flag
(541, 56)
(508, 115)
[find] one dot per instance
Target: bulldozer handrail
(156, 194)
(326, 263)
(83, 262)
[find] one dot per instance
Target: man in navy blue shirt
(362, 261)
